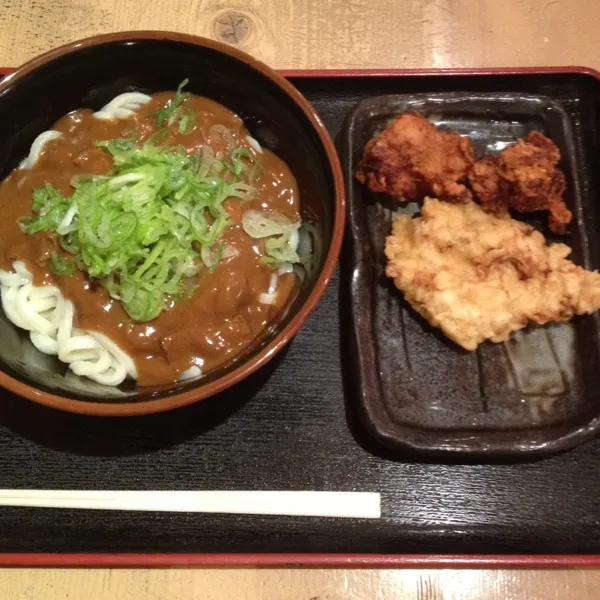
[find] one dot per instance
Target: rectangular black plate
(293, 426)
(535, 394)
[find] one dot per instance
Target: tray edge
(371, 561)
(398, 72)
(411, 72)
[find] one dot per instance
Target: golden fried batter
(524, 177)
(411, 158)
(479, 276)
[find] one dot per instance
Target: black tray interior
(536, 394)
(293, 426)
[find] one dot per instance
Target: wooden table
(319, 34)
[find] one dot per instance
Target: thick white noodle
(122, 106)
(273, 283)
(270, 295)
(63, 226)
(294, 239)
(37, 147)
(192, 373)
(254, 143)
(267, 298)
(285, 268)
(48, 316)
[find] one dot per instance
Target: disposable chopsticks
(303, 503)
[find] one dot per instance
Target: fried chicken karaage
(524, 178)
(478, 276)
(412, 158)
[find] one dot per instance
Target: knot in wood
(232, 27)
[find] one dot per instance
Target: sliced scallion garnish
(149, 224)
(278, 232)
(62, 266)
(175, 111)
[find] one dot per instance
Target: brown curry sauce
(224, 315)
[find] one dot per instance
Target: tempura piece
(525, 178)
(412, 158)
(478, 276)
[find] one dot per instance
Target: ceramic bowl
(90, 72)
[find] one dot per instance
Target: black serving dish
(536, 394)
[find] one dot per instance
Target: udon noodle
(44, 311)
(48, 316)
(46, 307)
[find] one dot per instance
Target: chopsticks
(304, 503)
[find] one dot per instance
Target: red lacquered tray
(434, 515)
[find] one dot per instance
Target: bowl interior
(91, 75)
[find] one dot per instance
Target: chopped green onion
(187, 122)
(279, 231)
(62, 266)
(174, 111)
(259, 224)
(280, 250)
(148, 226)
(51, 207)
(157, 137)
(184, 124)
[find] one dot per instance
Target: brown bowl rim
(290, 330)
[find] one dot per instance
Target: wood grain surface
(297, 584)
(319, 34)
(330, 33)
